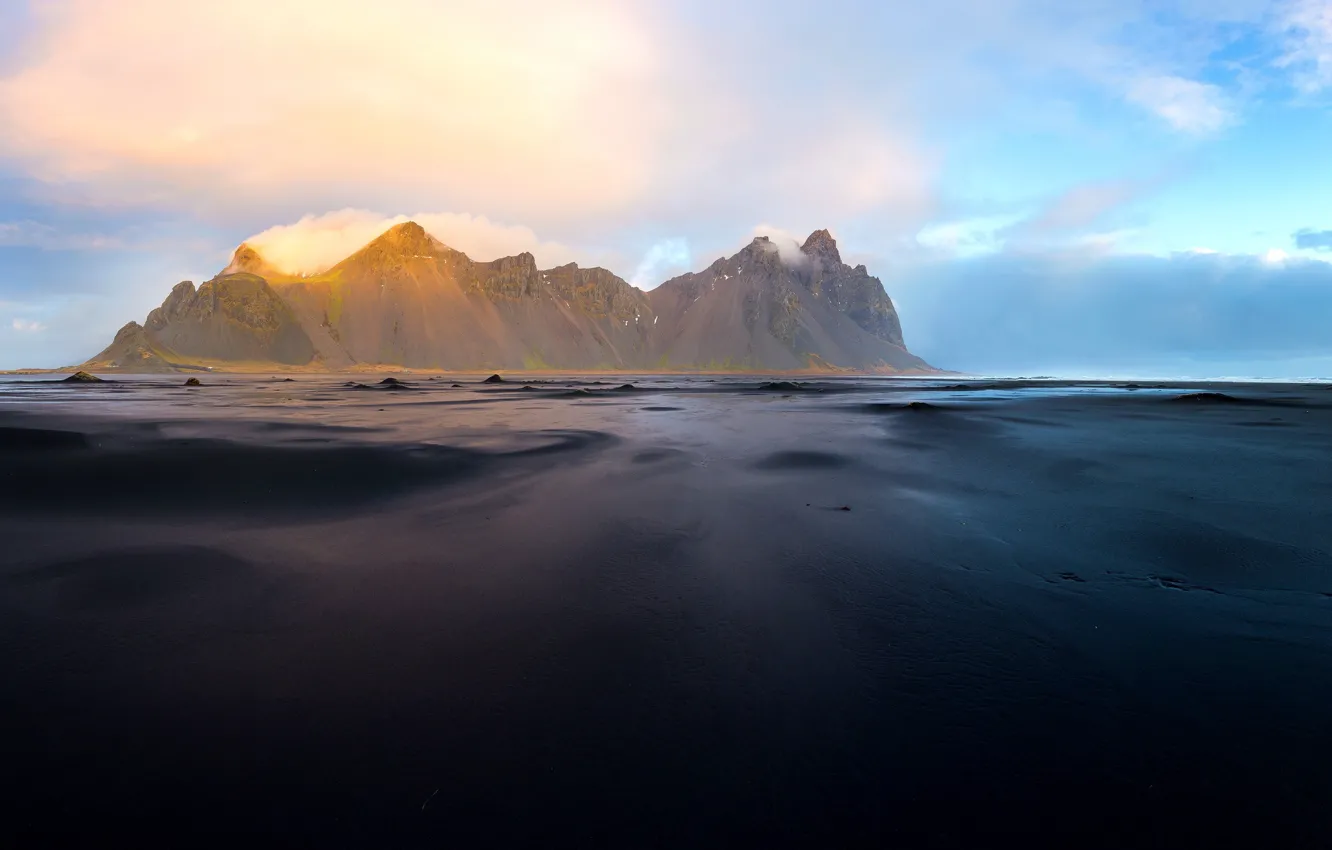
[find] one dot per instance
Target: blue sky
(1094, 187)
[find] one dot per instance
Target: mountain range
(408, 300)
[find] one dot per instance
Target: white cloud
(785, 243)
(1187, 105)
(1275, 256)
(1307, 26)
(971, 237)
(27, 326)
(1106, 241)
(317, 242)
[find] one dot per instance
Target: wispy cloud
(1086, 205)
(1087, 218)
(1307, 28)
(970, 237)
(32, 234)
(27, 326)
(1187, 105)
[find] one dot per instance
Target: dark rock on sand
(493, 379)
(625, 388)
(193, 382)
(456, 386)
(391, 381)
(781, 386)
(83, 378)
(1219, 398)
(895, 407)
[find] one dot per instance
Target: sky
(1104, 187)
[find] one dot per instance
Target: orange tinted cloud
(501, 99)
(526, 110)
(316, 243)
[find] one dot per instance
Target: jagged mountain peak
(408, 238)
(395, 250)
(248, 260)
(821, 244)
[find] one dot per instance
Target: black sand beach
(689, 611)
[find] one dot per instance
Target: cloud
(1307, 27)
(27, 326)
(469, 99)
(1198, 314)
(1317, 240)
(664, 260)
(971, 237)
(567, 115)
(32, 234)
(1087, 204)
(528, 110)
(785, 243)
(1086, 219)
(1187, 105)
(317, 242)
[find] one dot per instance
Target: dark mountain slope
(762, 310)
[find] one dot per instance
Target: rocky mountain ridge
(408, 300)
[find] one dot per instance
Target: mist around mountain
(407, 300)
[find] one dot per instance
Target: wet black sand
(693, 611)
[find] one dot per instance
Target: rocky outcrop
(233, 317)
(133, 350)
(774, 308)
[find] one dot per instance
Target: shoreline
(486, 370)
